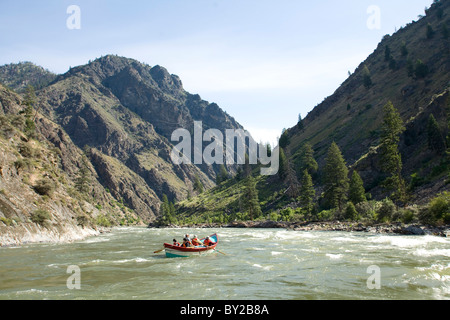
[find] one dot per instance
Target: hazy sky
(262, 61)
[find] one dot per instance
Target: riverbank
(383, 228)
(30, 233)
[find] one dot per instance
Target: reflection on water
(259, 264)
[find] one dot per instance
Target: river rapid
(254, 264)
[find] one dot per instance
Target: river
(256, 264)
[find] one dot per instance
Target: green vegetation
(166, 213)
(356, 193)
(420, 69)
(367, 78)
(40, 217)
(45, 187)
(250, 197)
(391, 160)
(82, 182)
(307, 193)
(438, 210)
(103, 221)
(223, 175)
(436, 141)
(335, 178)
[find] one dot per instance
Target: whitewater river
(258, 265)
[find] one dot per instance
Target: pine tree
(307, 193)
(436, 141)
(351, 213)
(336, 178)
(307, 161)
(391, 160)
(251, 200)
(198, 185)
(356, 193)
(284, 140)
(82, 182)
(367, 79)
(283, 165)
(404, 49)
(300, 124)
(166, 212)
(222, 175)
(420, 69)
(387, 53)
(29, 102)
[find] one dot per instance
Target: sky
(264, 62)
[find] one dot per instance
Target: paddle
(160, 250)
(219, 252)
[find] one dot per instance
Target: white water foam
(334, 256)
(431, 252)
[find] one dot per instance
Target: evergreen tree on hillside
(350, 212)
(83, 180)
(292, 182)
(391, 160)
(421, 69)
(222, 175)
(404, 49)
(356, 193)
(284, 140)
(166, 212)
(307, 193)
(251, 201)
(198, 186)
(300, 124)
(336, 178)
(307, 161)
(367, 79)
(387, 53)
(283, 167)
(436, 141)
(29, 102)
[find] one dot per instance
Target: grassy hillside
(409, 68)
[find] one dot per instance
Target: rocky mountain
(40, 199)
(109, 123)
(18, 76)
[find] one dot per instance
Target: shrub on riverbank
(40, 217)
(438, 210)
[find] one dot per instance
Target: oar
(219, 252)
(160, 250)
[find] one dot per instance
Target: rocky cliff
(98, 138)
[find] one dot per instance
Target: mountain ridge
(116, 114)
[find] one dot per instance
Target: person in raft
(175, 243)
(196, 242)
(186, 243)
(207, 242)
